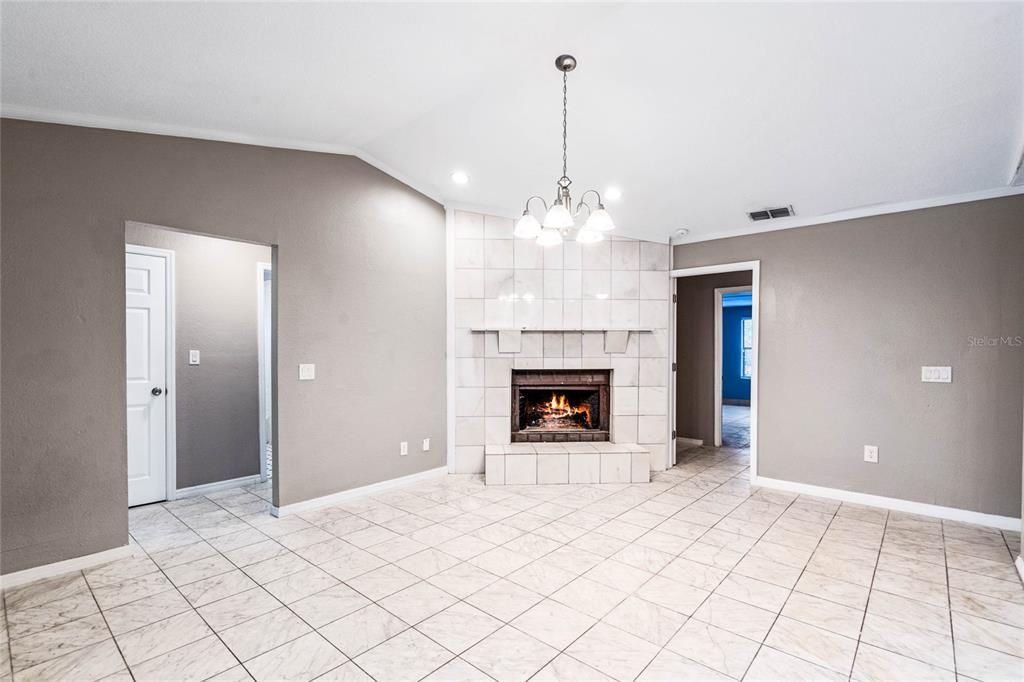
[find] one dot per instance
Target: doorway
(199, 342)
(703, 326)
(734, 348)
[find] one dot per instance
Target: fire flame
(559, 406)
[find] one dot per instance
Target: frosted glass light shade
(599, 221)
(549, 236)
(527, 227)
(558, 217)
(586, 236)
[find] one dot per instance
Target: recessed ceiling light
(613, 194)
(460, 177)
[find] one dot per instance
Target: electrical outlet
(403, 448)
(426, 444)
(307, 372)
(193, 357)
(871, 454)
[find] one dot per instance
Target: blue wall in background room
(734, 386)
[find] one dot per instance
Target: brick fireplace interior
(560, 406)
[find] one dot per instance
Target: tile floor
(736, 426)
(693, 577)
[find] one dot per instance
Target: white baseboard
(689, 442)
(372, 489)
(208, 488)
(1019, 563)
(950, 513)
(11, 580)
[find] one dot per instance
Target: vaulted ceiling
(699, 113)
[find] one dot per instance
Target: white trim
(689, 442)
(719, 359)
(262, 268)
(449, 327)
(1019, 563)
(896, 504)
(755, 294)
(852, 214)
(12, 580)
(171, 380)
(671, 458)
(371, 489)
(496, 211)
(207, 488)
(113, 123)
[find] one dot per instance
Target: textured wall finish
(850, 312)
(215, 313)
(361, 293)
(506, 283)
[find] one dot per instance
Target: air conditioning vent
(772, 213)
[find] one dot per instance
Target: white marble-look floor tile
(615, 653)
(406, 657)
(263, 633)
(199, 660)
(718, 649)
(301, 659)
(459, 627)
(362, 630)
(554, 624)
(562, 582)
(510, 655)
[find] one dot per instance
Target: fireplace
(560, 405)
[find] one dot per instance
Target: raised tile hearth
(564, 463)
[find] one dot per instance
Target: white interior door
(146, 352)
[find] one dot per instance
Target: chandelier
(559, 222)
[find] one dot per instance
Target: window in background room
(747, 358)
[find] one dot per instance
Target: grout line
(949, 600)
(107, 625)
(867, 604)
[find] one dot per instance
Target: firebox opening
(559, 409)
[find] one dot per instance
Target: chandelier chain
(565, 127)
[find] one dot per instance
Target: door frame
(719, 359)
(170, 381)
(261, 268)
(754, 266)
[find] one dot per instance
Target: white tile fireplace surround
(563, 298)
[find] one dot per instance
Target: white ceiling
(698, 112)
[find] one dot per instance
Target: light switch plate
(871, 454)
(307, 372)
(426, 444)
(937, 375)
(193, 357)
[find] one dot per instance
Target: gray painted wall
(849, 313)
(695, 352)
(218, 400)
(360, 270)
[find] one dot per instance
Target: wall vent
(772, 213)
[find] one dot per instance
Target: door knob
(157, 391)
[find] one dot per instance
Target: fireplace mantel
(615, 340)
(569, 330)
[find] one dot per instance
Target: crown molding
(853, 213)
(132, 126)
